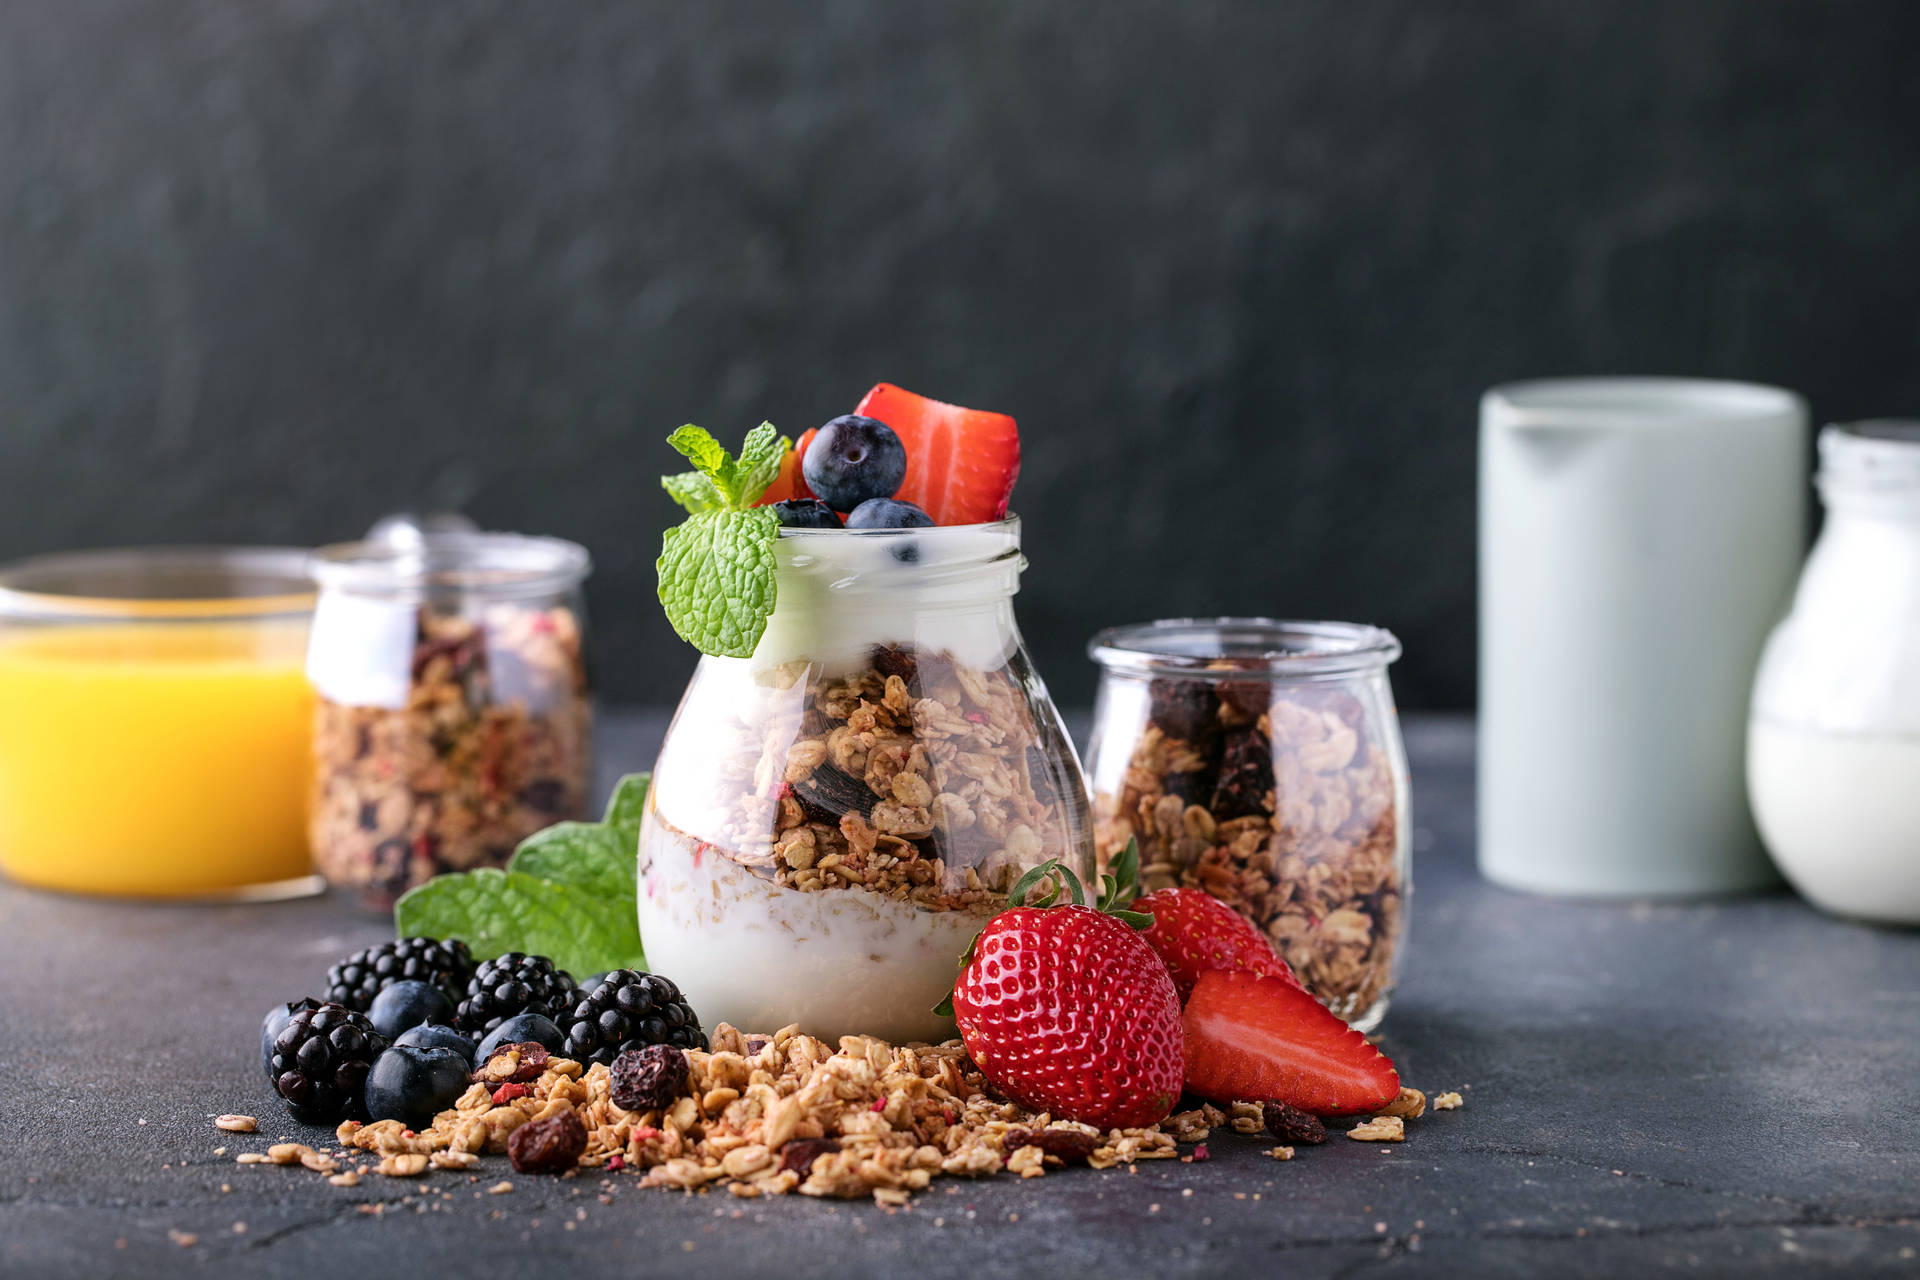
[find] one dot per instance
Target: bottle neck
(1870, 471)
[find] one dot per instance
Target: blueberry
(412, 1085)
(274, 1023)
(806, 513)
(408, 1003)
(854, 459)
(886, 513)
(521, 1027)
(433, 1035)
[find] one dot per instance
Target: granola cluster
(1278, 801)
(917, 777)
(492, 746)
(772, 1114)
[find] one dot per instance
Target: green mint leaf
(625, 807)
(706, 454)
(591, 858)
(760, 458)
(716, 579)
(499, 911)
(693, 491)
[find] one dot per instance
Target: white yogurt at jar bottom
(1841, 816)
(759, 955)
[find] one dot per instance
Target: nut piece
(552, 1145)
(1410, 1105)
(1380, 1129)
(288, 1152)
(236, 1124)
(1449, 1102)
(1292, 1125)
(351, 1178)
(403, 1165)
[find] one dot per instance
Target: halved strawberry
(789, 484)
(1257, 1039)
(961, 463)
(1195, 932)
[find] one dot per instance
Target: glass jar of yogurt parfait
(834, 818)
(1261, 761)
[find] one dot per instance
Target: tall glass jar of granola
(452, 718)
(833, 819)
(1261, 761)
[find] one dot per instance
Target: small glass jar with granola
(1261, 761)
(834, 817)
(452, 717)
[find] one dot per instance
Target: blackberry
(512, 984)
(320, 1063)
(355, 981)
(629, 1010)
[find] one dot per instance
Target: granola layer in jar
(833, 819)
(1261, 761)
(452, 718)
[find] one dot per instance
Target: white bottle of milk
(1833, 743)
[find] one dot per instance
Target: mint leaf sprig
(568, 894)
(716, 568)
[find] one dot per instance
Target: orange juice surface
(154, 759)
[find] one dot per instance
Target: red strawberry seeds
(1257, 1039)
(1195, 932)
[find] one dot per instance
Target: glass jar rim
(497, 565)
(1260, 648)
(133, 584)
(1639, 402)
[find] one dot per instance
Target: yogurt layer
(841, 592)
(759, 955)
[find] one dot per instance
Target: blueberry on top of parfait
(854, 459)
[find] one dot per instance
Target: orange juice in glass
(155, 720)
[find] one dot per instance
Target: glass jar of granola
(833, 819)
(452, 717)
(1261, 761)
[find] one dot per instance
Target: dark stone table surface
(1724, 1088)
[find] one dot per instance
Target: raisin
(1181, 709)
(800, 1154)
(1292, 1125)
(552, 1145)
(515, 1063)
(891, 661)
(1194, 788)
(1245, 787)
(649, 1079)
(1069, 1146)
(1251, 698)
(828, 793)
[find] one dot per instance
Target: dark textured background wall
(269, 268)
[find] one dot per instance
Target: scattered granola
(786, 1113)
(1284, 802)
(235, 1123)
(1410, 1105)
(1449, 1102)
(492, 746)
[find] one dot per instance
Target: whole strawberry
(1195, 932)
(1066, 1009)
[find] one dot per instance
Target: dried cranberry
(1246, 777)
(650, 1078)
(552, 1145)
(800, 1154)
(1181, 709)
(1292, 1125)
(1069, 1146)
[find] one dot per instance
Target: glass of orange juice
(155, 720)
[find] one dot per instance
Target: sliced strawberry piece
(1195, 932)
(1257, 1039)
(961, 463)
(789, 484)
